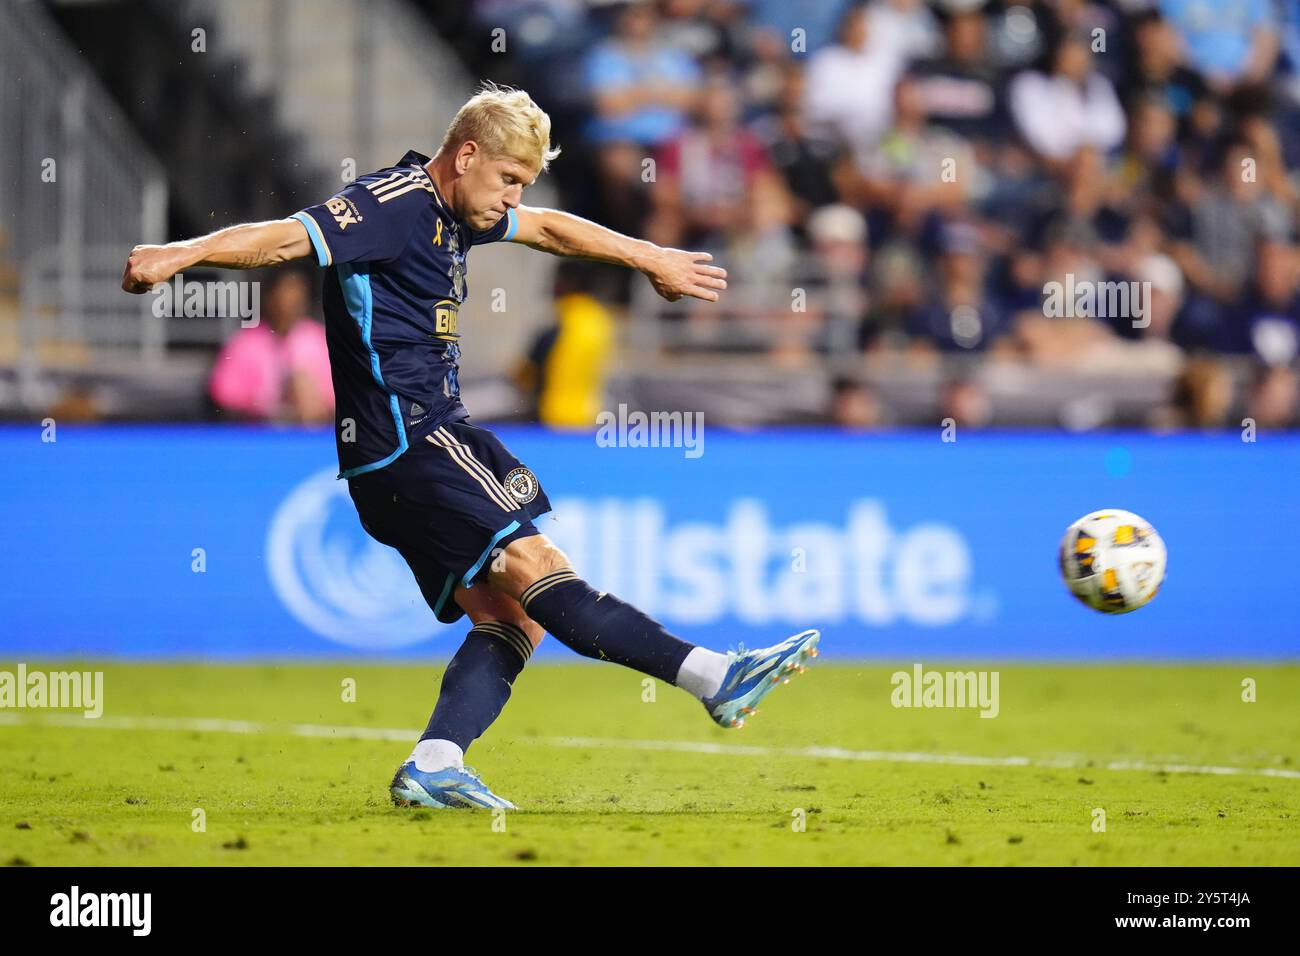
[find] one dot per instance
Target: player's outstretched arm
(673, 272)
(249, 246)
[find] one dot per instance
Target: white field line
(223, 726)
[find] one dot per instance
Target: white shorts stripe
(484, 470)
(473, 467)
(494, 491)
(468, 454)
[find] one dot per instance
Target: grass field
(287, 772)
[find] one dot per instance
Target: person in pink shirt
(278, 370)
(715, 179)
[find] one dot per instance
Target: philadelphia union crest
(522, 485)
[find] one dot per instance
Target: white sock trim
(702, 672)
(431, 755)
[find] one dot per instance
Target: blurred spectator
(1228, 41)
(1096, 23)
(641, 88)
(840, 252)
(624, 194)
(714, 180)
(966, 402)
(806, 161)
(854, 405)
(816, 20)
(540, 30)
(1015, 38)
(1202, 397)
(898, 291)
(1147, 263)
(1269, 169)
(1070, 260)
(1269, 315)
(767, 71)
(691, 26)
(79, 401)
(958, 315)
(917, 170)
(904, 26)
(1081, 203)
(1289, 41)
(1016, 282)
(1159, 72)
(849, 83)
(1069, 107)
(960, 88)
(563, 374)
(277, 370)
(1150, 157)
(1214, 232)
(1272, 402)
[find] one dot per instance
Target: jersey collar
(418, 159)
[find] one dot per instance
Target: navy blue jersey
(395, 256)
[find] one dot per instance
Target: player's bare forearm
(253, 245)
(673, 272)
(564, 234)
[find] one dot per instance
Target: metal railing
(783, 300)
(80, 190)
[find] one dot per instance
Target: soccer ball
(1113, 561)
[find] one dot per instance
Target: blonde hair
(504, 122)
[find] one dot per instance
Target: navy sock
(477, 683)
(601, 626)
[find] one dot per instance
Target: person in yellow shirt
(564, 371)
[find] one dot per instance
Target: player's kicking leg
(599, 625)
(474, 690)
(460, 509)
(508, 618)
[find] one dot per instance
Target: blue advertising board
(231, 542)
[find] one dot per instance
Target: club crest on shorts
(522, 485)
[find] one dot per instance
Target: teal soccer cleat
(753, 674)
(449, 788)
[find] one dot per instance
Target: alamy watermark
(182, 299)
(639, 429)
(922, 688)
(59, 690)
(1086, 298)
(133, 911)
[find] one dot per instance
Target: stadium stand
(895, 186)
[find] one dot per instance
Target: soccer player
(444, 492)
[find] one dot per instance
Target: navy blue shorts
(446, 504)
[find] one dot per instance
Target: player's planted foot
(752, 675)
(450, 788)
